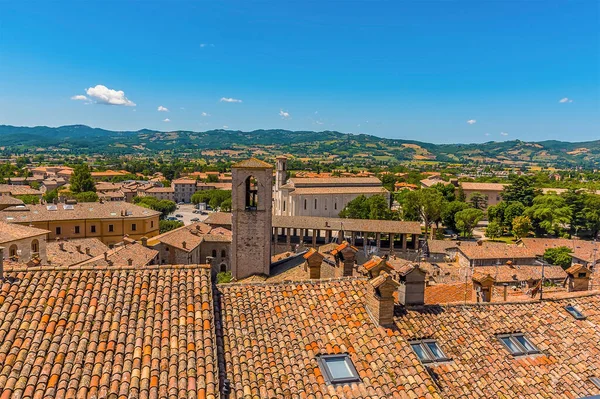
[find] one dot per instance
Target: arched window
(223, 253)
(12, 251)
(35, 246)
(223, 267)
(251, 194)
(214, 253)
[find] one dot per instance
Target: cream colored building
(491, 190)
(109, 221)
(23, 243)
(321, 197)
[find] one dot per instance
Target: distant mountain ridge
(88, 140)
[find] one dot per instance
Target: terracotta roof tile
(109, 332)
(74, 251)
(12, 232)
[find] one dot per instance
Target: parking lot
(187, 213)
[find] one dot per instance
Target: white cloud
(162, 109)
(104, 95)
(504, 133)
(229, 100)
(203, 45)
(284, 114)
(205, 114)
(166, 120)
(471, 121)
(487, 134)
(79, 97)
(225, 127)
(565, 100)
(318, 122)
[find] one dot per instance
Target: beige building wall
(109, 231)
(26, 249)
(321, 205)
(493, 196)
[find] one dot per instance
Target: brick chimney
(345, 255)
(376, 265)
(78, 248)
(184, 245)
(578, 278)
(144, 241)
(313, 263)
(412, 285)
(106, 256)
(61, 245)
(484, 286)
(87, 251)
(130, 262)
(380, 301)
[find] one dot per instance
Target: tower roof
(252, 163)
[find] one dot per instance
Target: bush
(28, 199)
(168, 225)
(224, 277)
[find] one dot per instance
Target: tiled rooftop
(84, 210)
(472, 186)
(272, 334)
(108, 332)
(136, 253)
(70, 254)
(12, 232)
(18, 190)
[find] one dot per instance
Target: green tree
(226, 205)
(81, 180)
(224, 277)
(50, 196)
(450, 209)
(495, 213)
(521, 189)
(212, 178)
(560, 256)
(214, 198)
(86, 196)
(447, 190)
(478, 200)
(591, 213)
(512, 210)
(521, 226)
(550, 213)
(168, 225)
(494, 230)
(374, 207)
(29, 199)
(467, 219)
(460, 194)
(427, 203)
(165, 207)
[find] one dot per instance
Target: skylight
(596, 381)
(574, 312)
(517, 344)
(338, 369)
(428, 351)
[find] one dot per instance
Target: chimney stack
(1, 263)
(145, 241)
(61, 245)
(130, 262)
(484, 285)
(87, 251)
(505, 291)
(313, 263)
(184, 245)
(412, 286)
(578, 278)
(106, 256)
(380, 300)
(78, 247)
(346, 255)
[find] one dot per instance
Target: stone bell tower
(251, 207)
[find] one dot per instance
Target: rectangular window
(76, 229)
(152, 224)
(574, 312)
(133, 227)
(58, 231)
(111, 228)
(93, 228)
(518, 344)
(595, 381)
(428, 351)
(338, 369)
(315, 203)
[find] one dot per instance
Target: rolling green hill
(86, 140)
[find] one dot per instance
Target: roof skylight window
(428, 351)
(517, 344)
(574, 312)
(338, 369)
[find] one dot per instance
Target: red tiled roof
(273, 333)
(108, 332)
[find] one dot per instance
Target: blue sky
(435, 71)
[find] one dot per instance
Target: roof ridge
(320, 281)
(105, 268)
